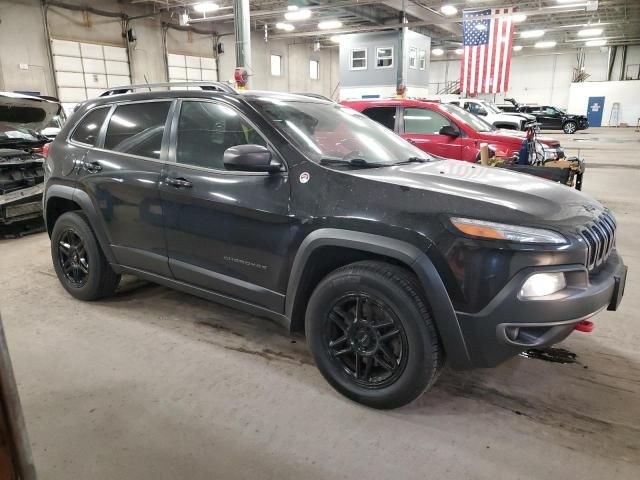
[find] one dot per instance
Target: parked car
(447, 130)
(554, 118)
(21, 159)
(311, 214)
(495, 116)
(549, 117)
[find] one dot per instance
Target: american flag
(488, 41)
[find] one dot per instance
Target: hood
(574, 116)
(515, 137)
(25, 111)
(492, 193)
(526, 116)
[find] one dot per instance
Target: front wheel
(78, 260)
(371, 334)
(570, 127)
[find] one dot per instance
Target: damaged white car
(21, 155)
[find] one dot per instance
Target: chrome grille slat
(600, 238)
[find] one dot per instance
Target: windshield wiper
(411, 160)
(352, 162)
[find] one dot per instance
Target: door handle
(91, 167)
(178, 182)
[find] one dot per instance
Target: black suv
(553, 118)
(307, 212)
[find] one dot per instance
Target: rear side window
(137, 129)
(423, 121)
(206, 130)
(383, 115)
(88, 129)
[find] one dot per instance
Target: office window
(137, 128)
(422, 59)
(359, 59)
(276, 65)
(384, 57)
(314, 69)
(413, 57)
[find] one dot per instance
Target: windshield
(491, 107)
(328, 131)
(12, 134)
(475, 122)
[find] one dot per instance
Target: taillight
(45, 149)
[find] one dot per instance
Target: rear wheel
(371, 334)
(570, 127)
(78, 260)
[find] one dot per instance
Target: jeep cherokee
(313, 215)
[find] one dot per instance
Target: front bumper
(509, 325)
(583, 124)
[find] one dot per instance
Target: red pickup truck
(444, 129)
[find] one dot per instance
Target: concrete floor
(155, 384)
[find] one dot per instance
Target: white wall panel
(194, 74)
(67, 64)
(116, 67)
(72, 95)
(92, 65)
(207, 63)
(115, 53)
(177, 73)
(175, 60)
(70, 79)
(191, 68)
(64, 47)
(91, 50)
(95, 80)
(193, 62)
(209, 75)
(94, 92)
(117, 80)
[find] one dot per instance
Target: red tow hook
(585, 326)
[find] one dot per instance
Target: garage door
(85, 70)
(184, 68)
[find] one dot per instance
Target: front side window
(358, 59)
(314, 69)
(137, 129)
(383, 115)
(422, 121)
(206, 130)
(325, 131)
(384, 57)
(413, 57)
(422, 59)
(276, 65)
(88, 129)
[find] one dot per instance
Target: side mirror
(249, 158)
(449, 131)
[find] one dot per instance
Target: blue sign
(595, 107)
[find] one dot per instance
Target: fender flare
(415, 259)
(82, 199)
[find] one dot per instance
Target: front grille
(600, 237)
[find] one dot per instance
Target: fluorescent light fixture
(335, 38)
(448, 10)
(548, 44)
(459, 51)
(532, 33)
(205, 7)
(598, 42)
(287, 27)
(329, 24)
(437, 51)
(517, 48)
(518, 17)
(296, 15)
(590, 32)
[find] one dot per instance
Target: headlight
(502, 231)
(542, 284)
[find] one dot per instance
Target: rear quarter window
(88, 128)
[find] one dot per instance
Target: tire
(83, 271)
(386, 293)
(570, 127)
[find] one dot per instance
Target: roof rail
(212, 86)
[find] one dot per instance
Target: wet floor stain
(551, 354)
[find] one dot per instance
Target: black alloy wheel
(73, 258)
(366, 340)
